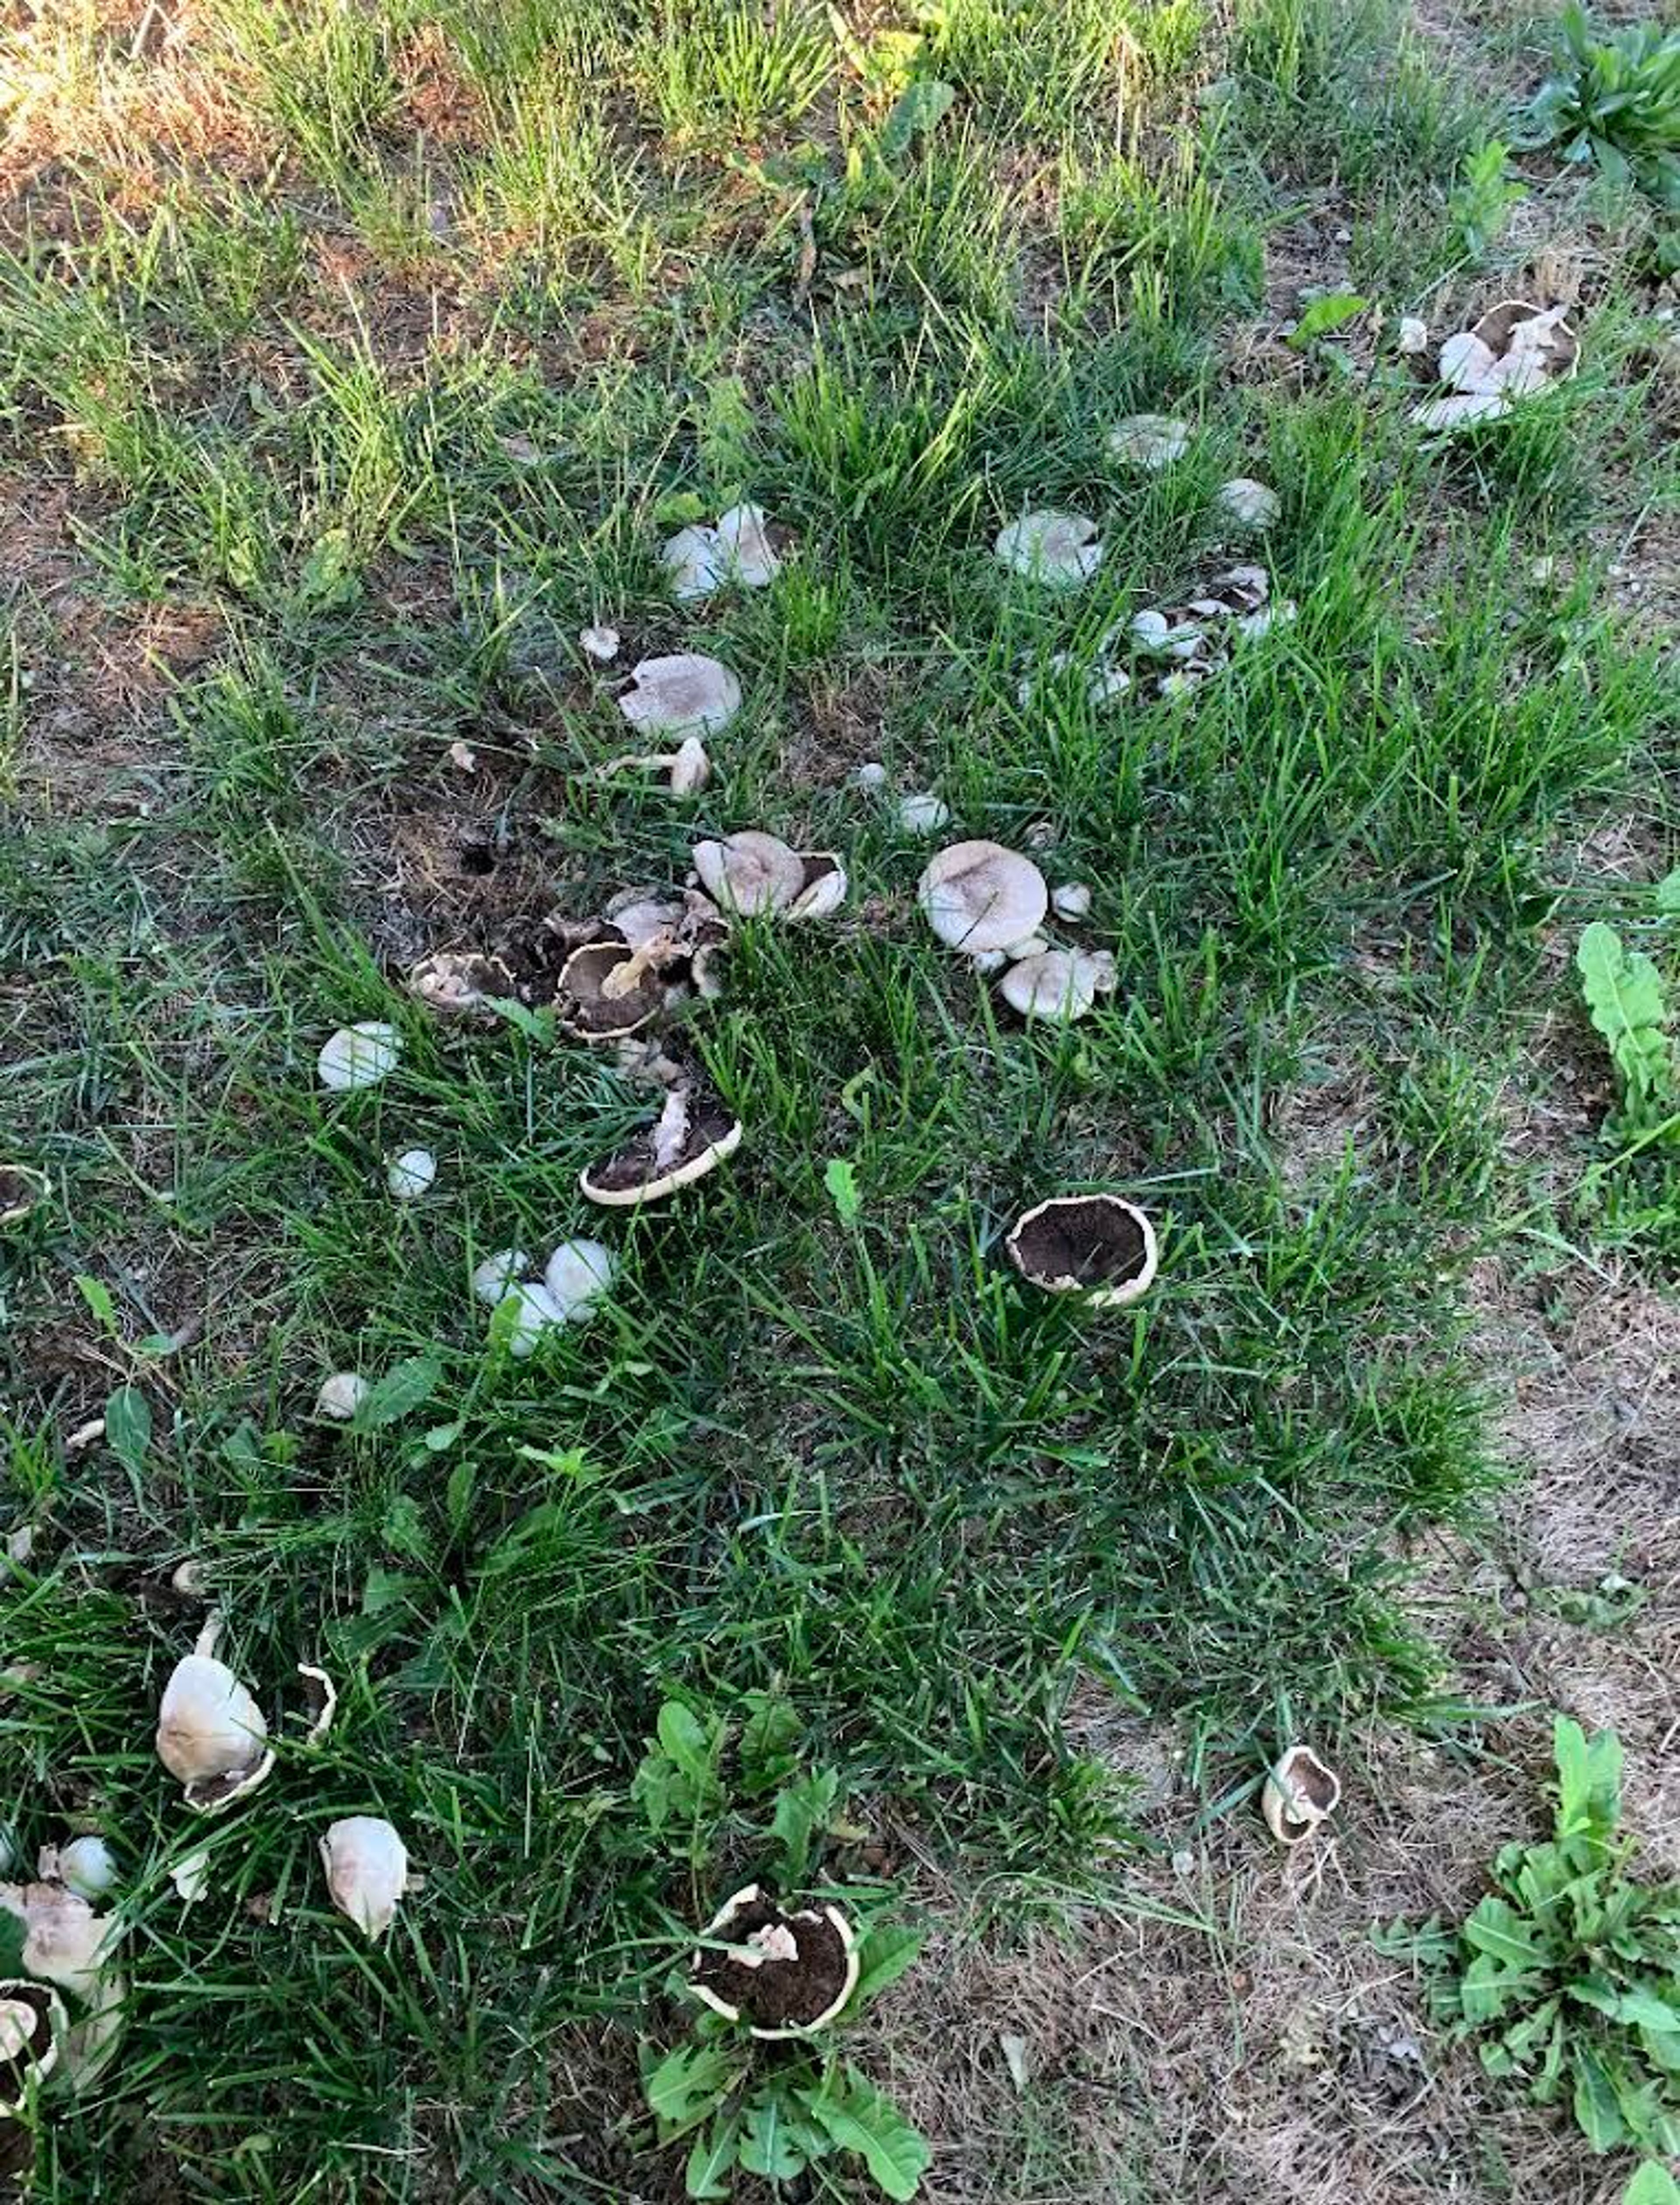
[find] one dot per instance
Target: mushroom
(1412, 337)
(686, 694)
(979, 896)
(84, 1865)
(923, 813)
(694, 563)
(33, 2026)
(341, 1395)
(824, 891)
(702, 561)
(21, 1189)
(460, 983)
(871, 775)
(411, 1174)
(577, 1275)
(788, 1975)
(210, 1732)
(607, 989)
(1300, 1793)
(1071, 901)
(68, 1945)
(536, 1314)
(1099, 1245)
(600, 643)
(690, 767)
(191, 1877)
(1513, 351)
(1059, 549)
(1151, 441)
(694, 1133)
(749, 872)
(492, 1278)
(1060, 984)
(357, 1056)
(367, 1871)
(1250, 504)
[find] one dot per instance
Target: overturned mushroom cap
(979, 896)
(790, 1973)
(577, 1275)
(694, 1133)
(1300, 1793)
(607, 989)
(460, 983)
(20, 1190)
(1149, 440)
(33, 2026)
(686, 694)
(750, 871)
(1248, 503)
(367, 1870)
(1094, 1244)
(359, 1056)
(211, 1734)
(1056, 548)
(1057, 983)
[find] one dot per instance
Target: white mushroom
(492, 1278)
(978, 896)
(695, 562)
(577, 1275)
(1058, 549)
(411, 1174)
(211, 1734)
(602, 643)
(748, 556)
(191, 1877)
(367, 1870)
(924, 814)
(871, 774)
(1151, 441)
(65, 1942)
(691, 769)
(749, 872)
(1460, 411)
(1413, 336)
(824, 887)
(84, 1865)
(686, 694)
(1300, 1793)
(341, 1395)
(357, 1056)
(1248, 503)
(536, 1314)
(1071, 901)
(1060, 984)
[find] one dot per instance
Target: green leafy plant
(1616, 100)
(1482, 197)
(1569, 1970)
(1628, 1005)
(1651, 2185)
(1322, 314)
(776, 2111)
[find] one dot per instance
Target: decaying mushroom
(684, 695)
(460, 983)
(607, 989)
(702, 561)
(694, 1133)
(1512, 352)
(1151, 441)
(1096, 1244)
(33, 2026)
(1059, 984)
(1300, 1793)
(359, 1056)
(979, 896)
(22, 1189)
(1234, 606)
(211, 1734)
(1058, 549)
(367, 1871)
(786, 1975)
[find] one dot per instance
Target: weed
(1616, 101)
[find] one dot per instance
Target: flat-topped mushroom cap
(684, 695)
(1057, 983)
(1056, 548)
(749, 872)
(979, 896)
(1149, 440)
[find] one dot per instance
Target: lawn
(357, 359)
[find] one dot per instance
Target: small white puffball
(923, 814)
(1071, 901)
(86, 1867)
(577, 1274)
(492, 1278)
(537, 1312)
(341, 1395)
(357, 1056)
(870, 775)
(411, 1174)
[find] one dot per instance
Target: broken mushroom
(1099, 1245)
(785, 1974)
(1300, 1793)
(367, 1871)
(694, 1133)
(33, 2026)
(979, 896)
(460, 983)
(211, 1734)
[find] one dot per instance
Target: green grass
(851, 1465)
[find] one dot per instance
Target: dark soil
(778, 1993)
(17, 1190)
(633, 1164)
(535, 951)
(1090, 1240)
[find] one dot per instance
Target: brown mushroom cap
(639, 1172)
(979, 896)
(749, 872)
(584, 1005)
(1097, 1245)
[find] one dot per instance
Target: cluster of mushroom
(59, 2019)
(701, 561)
(1515, 351)
(989, 903)
(1196, 635)
(568, 1291)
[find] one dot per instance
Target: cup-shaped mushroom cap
(686, 694)
(577, 1274)
(695, 1133)
(594, 1009)
(1301, 1791)
(749, 872)
(1515, 326)
(1096, 1244)
(211, 1733)
(33, 2026)
(1060, 984)
(367, 1870)
(20, 1190)
(979, 896)
(790, 1973)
